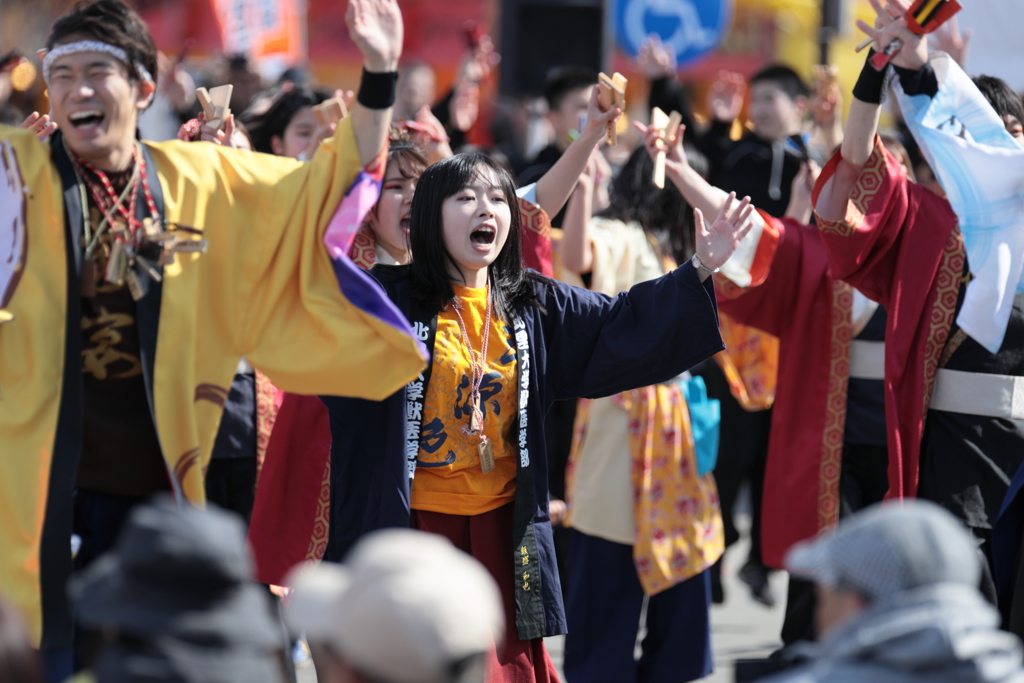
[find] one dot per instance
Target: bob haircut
(432, 263)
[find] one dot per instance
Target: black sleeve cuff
(377, 90)
(920, 82)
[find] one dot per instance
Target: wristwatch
(699, 265)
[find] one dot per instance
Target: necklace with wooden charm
(478, 368)
(132, 243)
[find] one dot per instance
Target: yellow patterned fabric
(677, 515)
(632, 473)
(449, 477)
(750, 363)
(265, 290)
(268, 402)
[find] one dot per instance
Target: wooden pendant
(486, 452)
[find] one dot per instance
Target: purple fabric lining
(367, 295)
(359, 288)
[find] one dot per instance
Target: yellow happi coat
(265, 290)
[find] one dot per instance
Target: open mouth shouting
(483, 237)
(403, 224)
(86, 120)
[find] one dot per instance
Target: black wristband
(377, 90)
(918, 82)
(871, 83)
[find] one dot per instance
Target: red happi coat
(799, 301)
(900, 245)
(291, 515)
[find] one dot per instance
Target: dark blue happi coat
(581, 345)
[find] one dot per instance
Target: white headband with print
(89, 46)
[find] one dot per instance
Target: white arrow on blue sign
(693, 27)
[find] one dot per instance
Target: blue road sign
(692, 27)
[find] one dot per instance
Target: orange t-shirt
(449, 478)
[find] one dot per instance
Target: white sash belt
(973, 393)
(867, 359)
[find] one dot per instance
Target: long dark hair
(662, 213)
(431, 262)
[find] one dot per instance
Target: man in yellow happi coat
(134, 276)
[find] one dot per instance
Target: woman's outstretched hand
(715, 244)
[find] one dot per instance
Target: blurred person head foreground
(406, 607)
(778, 103)
(176, 603)
(101, 73)
(898, 600)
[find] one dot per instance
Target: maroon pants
(488, 538)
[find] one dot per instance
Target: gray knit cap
(889, 548)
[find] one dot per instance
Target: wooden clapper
(215, 103)
(668, 125)
(611, 92)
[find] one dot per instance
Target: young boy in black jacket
(763, 163)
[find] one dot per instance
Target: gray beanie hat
(889, 548)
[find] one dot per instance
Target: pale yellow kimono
(265, 290)
(632, 476)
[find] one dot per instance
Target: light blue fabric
(981, 168)
(705, 420)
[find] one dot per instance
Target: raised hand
(827, 100)
(891, 23)
(375, 26)
(42, 126)
(225, 137)
(176, 84)
(597, 119)
(947, 38)
(465, 105)
(716, 244)
(654, 141)
(725, 99)
(431, 135)
(800, 204)
(348, 97)
(656, 59)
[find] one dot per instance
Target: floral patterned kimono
(645, 524)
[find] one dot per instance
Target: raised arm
(697, 192)
(576, 249)
(599, 345)
(555, 186)
(375, 26)
(862, 122)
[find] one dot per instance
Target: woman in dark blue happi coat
(460, 451)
